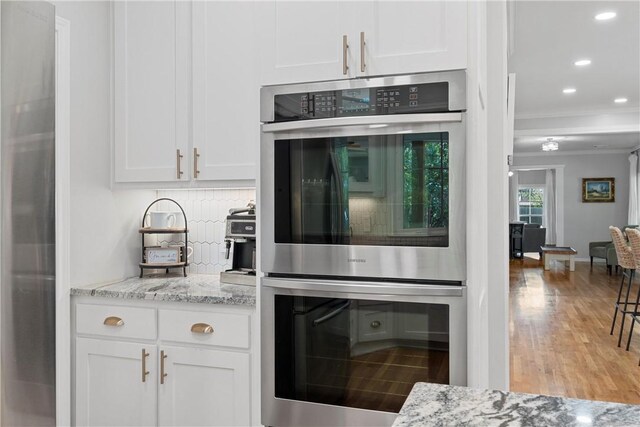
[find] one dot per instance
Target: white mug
(161, 219)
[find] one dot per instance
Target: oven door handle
(299, 287)
(362, 121)
(331, 315)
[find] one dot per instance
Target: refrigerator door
(27, 286)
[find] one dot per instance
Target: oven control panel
(401, 99)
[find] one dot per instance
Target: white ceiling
(547, 37)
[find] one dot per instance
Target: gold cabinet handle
(201, 328)
(163, 375)
(179, 157)
(144, 365)
(345, 48)
(362, 45)
(113, 321)
(196, 172)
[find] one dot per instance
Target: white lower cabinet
(168, 364)
(204, 388)
(111, 388)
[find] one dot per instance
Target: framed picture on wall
(598, 190)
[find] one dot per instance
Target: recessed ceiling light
(582, 62)
(378, 126)
(569, 90)
(604, 16)
(620, 100)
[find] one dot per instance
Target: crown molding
(595, 112)
(525, 168)
(577, 130)
(572, 152)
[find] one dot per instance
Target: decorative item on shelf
(598, 190)
(164, 257)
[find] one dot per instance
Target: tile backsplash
(206, 212)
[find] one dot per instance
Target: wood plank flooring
(559, 329)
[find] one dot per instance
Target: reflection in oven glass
(372, 190)
(357, 353)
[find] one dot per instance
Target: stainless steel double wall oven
(362, 245)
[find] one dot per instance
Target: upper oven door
(379, 197)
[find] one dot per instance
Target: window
(425, 181)
(530, 204)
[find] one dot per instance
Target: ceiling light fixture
(381, 125)
(582, 62)
(605, 16)
(550, 145)
(569, 90)
(620, 100)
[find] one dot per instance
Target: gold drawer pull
(113, 321)
(201, 328)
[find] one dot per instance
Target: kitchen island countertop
(195, 288)
(445, 405)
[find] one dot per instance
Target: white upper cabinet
(412, 36)
(303, 41)
(151, 90)
(187, 78)
(226, 91)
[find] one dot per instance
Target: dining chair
(627, 261)
(634, 241)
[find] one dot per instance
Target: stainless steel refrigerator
(27, 236)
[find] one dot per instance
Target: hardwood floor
(559, 328)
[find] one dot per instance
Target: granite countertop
(195, 288)
(445, 405)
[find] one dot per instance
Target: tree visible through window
(530, 204)
(425, 187)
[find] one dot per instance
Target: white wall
(586, 222)
(531, 177)
(498, 202)
(104, 240)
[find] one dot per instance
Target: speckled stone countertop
(195, 288)
(444, 405)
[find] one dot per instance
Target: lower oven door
(348, 353)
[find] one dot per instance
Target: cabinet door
(411, 36)
(226, 91)
(109, 388)
(151, 63)
(303, 41)
(205, 388)
(375, 321)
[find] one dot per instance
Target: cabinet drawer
(136, 322)
(227, 329)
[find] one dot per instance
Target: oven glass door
(375, 190)
(358, 353)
